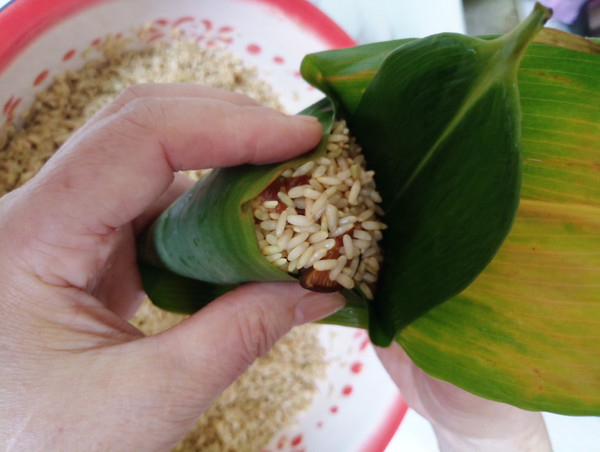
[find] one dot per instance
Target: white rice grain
(332, 217)
(296, 252)
(273, 257)
(362, 245)
(297, 240)
(296, 192)
(280, 262)
(299, 220)
(325, 264)
(327, 244)
(354, 192)
(304, 169)
(371, 225)
(342, 229)
(329, 180)
(362, 235)
(261, 214)
(345, 281)
(320, 171)
(365, 215)
(348, 246)
(311, 193)
(285, 238)
(270, 204)
(366, 290)
(268, 225)
(316, 256)
(335, 272)
(301, 263)
(285, 199)
(350, 219)
(271, 249)
(281, 223)
(318, 237)
(369, 277)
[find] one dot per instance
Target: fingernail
(308, 119)
(315, 306)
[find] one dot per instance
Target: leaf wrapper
(524, 331)
(206, 238)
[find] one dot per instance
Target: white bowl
(358, 408)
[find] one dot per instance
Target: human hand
(75, 374)
(463, 422)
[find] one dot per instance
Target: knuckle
(144, 115)
(256, 332)
(130, 93)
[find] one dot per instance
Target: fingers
(188, 366)
(180, 184)
(397, 364)
(140, 146)
(123, 161)
(241, 326)
(461, 420)
(166, 90)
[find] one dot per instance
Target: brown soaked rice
(278, 386)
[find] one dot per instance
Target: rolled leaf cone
(523, 332)
(204, 244)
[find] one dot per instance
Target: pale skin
(75, 374)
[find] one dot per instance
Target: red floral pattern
(201, 30)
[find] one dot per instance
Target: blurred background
(498, 16)
(378, 20)
(368, 21)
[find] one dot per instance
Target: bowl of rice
(321, 388)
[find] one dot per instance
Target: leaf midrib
(485, 81)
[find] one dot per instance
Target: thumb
(193, 362)
(222, 340)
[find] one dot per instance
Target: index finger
(106, 176)
(165, 90)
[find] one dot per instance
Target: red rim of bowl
(21, 22)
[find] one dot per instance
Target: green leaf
(208, 233)
(527, 331)
(445, 148)
(343, 74)
(175, 293)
